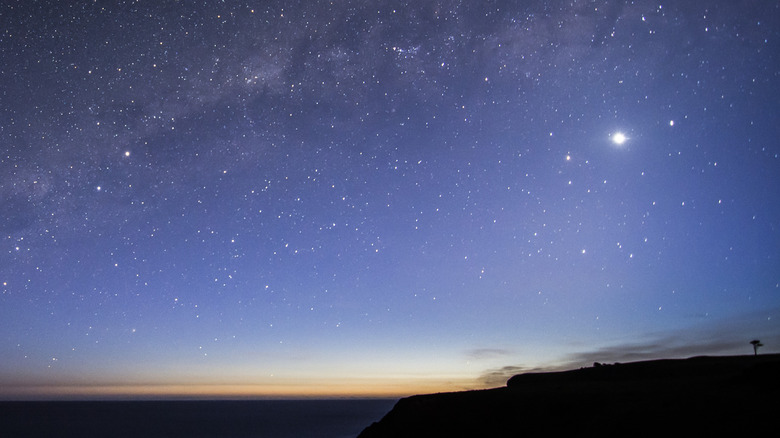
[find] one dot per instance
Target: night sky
(350, 197)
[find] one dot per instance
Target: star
(619, 138)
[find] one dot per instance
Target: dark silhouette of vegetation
(756, 343)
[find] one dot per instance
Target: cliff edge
(731, 395)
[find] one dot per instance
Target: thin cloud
(486, 353)
(717, 338)
(498, 376)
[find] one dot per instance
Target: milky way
(362, 194)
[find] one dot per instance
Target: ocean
(192, 418)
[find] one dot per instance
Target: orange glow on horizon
(366, 389)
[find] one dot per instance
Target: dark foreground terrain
(735, 396)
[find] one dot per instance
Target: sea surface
(193, 418)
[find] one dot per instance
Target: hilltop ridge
(726, 394)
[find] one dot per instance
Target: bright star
(619, 138)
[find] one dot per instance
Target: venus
(619, 138)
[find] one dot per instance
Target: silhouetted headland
(724, 395)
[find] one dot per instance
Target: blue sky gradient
(380, 198)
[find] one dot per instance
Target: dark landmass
(697, 396)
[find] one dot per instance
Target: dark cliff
(731, 395)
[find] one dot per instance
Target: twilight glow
(351, 198)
